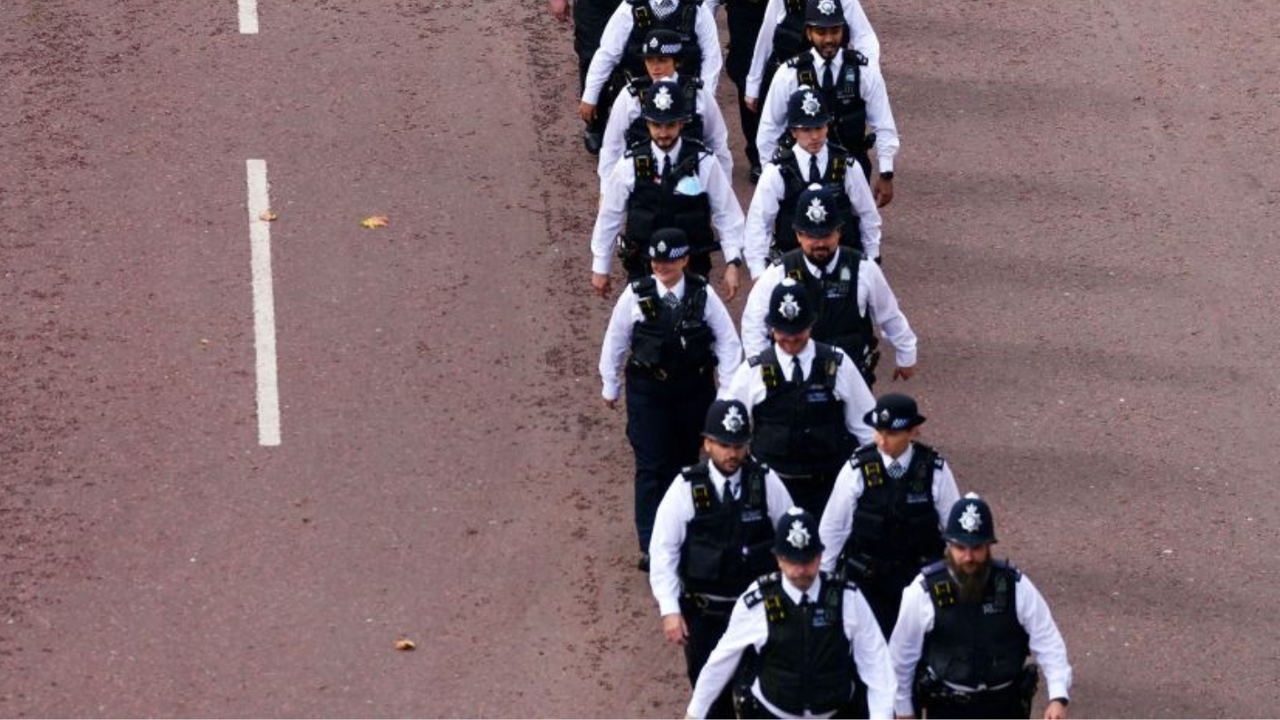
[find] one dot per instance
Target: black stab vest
(844, 101)
(672, 343)
(729, 542)
(895, 522)
(644, 20)
(975, 644)
(840, 323)
(789, 37)
(800, 429)
(654, 205)
(795, 180)
(806, 663)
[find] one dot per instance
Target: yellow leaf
(267, 216)
(375, 221)
(405, 645)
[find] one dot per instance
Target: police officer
(782, 37)
(812, 160)
(744, 20)
(589, 19)
(966, 627)
(814, 634)
(712, 536)
(618, 56)
(851, 89)
(887, 508)
(807, 400)
(661, 53)
(851, 292)
(668, 181)
(679, 334)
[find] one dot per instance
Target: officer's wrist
(887, 176)
(1065, 701)
(736, 262)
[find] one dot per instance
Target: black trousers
(744, 20)
(706, 627)
(589, 19)
(884, 594)
(1002, 704)
(664, 425)
(811, 492)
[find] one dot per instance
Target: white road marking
(264, 307)
(249, 17)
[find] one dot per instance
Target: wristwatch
(886, 176)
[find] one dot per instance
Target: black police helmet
(823, 13)
(664, 103)
(816, 211)
(728, 422)
(791, 309)
(970, 523)
(796, 537)
(805, 109)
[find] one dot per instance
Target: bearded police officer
(669, 181)
(851, 292)
(678, 333)
(713, 535)
(661, 53)
(966, 627)
(807, 400)
(887, 508)
(618, 56)
(852, 90)
(782, 37)
(810, 161)
(813, 633)
(589, 19)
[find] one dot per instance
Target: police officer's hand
(586, 111)
(1055, 711)
(601, 283)
(883, 192)
(611, 404)
(904, 373)
(674, 628)
(559, 9)
(732, 281)
(753, 104)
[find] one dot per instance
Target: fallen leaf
(405, 645)
(267, 216)
(204, 341)
(375, 221)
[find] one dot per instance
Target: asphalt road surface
(1083, 236)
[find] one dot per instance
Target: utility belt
(860, 568)
(930, 687)
(659, 373)
(716, 605)
(867, 364)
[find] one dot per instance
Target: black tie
(815, 175)
(827, 81)
(797, 375)
(666, 169)
(804, 599)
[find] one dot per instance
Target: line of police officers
(908, 612)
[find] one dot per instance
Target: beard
(973, 585)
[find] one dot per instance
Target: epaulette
(939, 462)
(754, 361)
(1009, 567)
(855, 462)
(858, 57)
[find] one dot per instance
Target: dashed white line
(264, 309)
(249, 17)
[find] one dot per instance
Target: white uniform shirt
(770, 189)
(715, 134)
(748, 387)
(726, 213)
(748, 626)
(773, 114)
(626, 313)
(613, 42)
(670, 525)
(874, 295)
(915, 620)
(863, 40)
(837, 519)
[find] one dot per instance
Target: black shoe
(592, 140)
(643, 565)
(755, 174)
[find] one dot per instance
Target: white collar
(831, 264)
(793, 592)
(722, 481)
(820, 62)
(663, 289)
(673, 153)
(802, 156)
(904, 459)
(806, 354)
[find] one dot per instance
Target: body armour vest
(805, 665)
(638, 130)
(844, 99)
(655, 204)
(975, 644)
(789, 38)
(796, 179)
(799, 428)
(729, 542)
(644, 20)
(672, 343)
(895, 523)
(840, 322)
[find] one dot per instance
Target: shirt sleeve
(726, 213)
(858, 400)
(613, 41)
(740, 387)
(614, 145)
(778, 497)
(613, 210)
(837, 518)
(763, 49)
(864, 38)
(885, 311)
(915, 619)
(864, 203)
(773, 113)
(870, 654)
(1046, 642)
(728, 348)
(617, 341)
(755, 331)
(709, 43)
(880, 118)
(945, 492)
(761, 216)
(714, 131)
(669, 526)
(747, 628)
